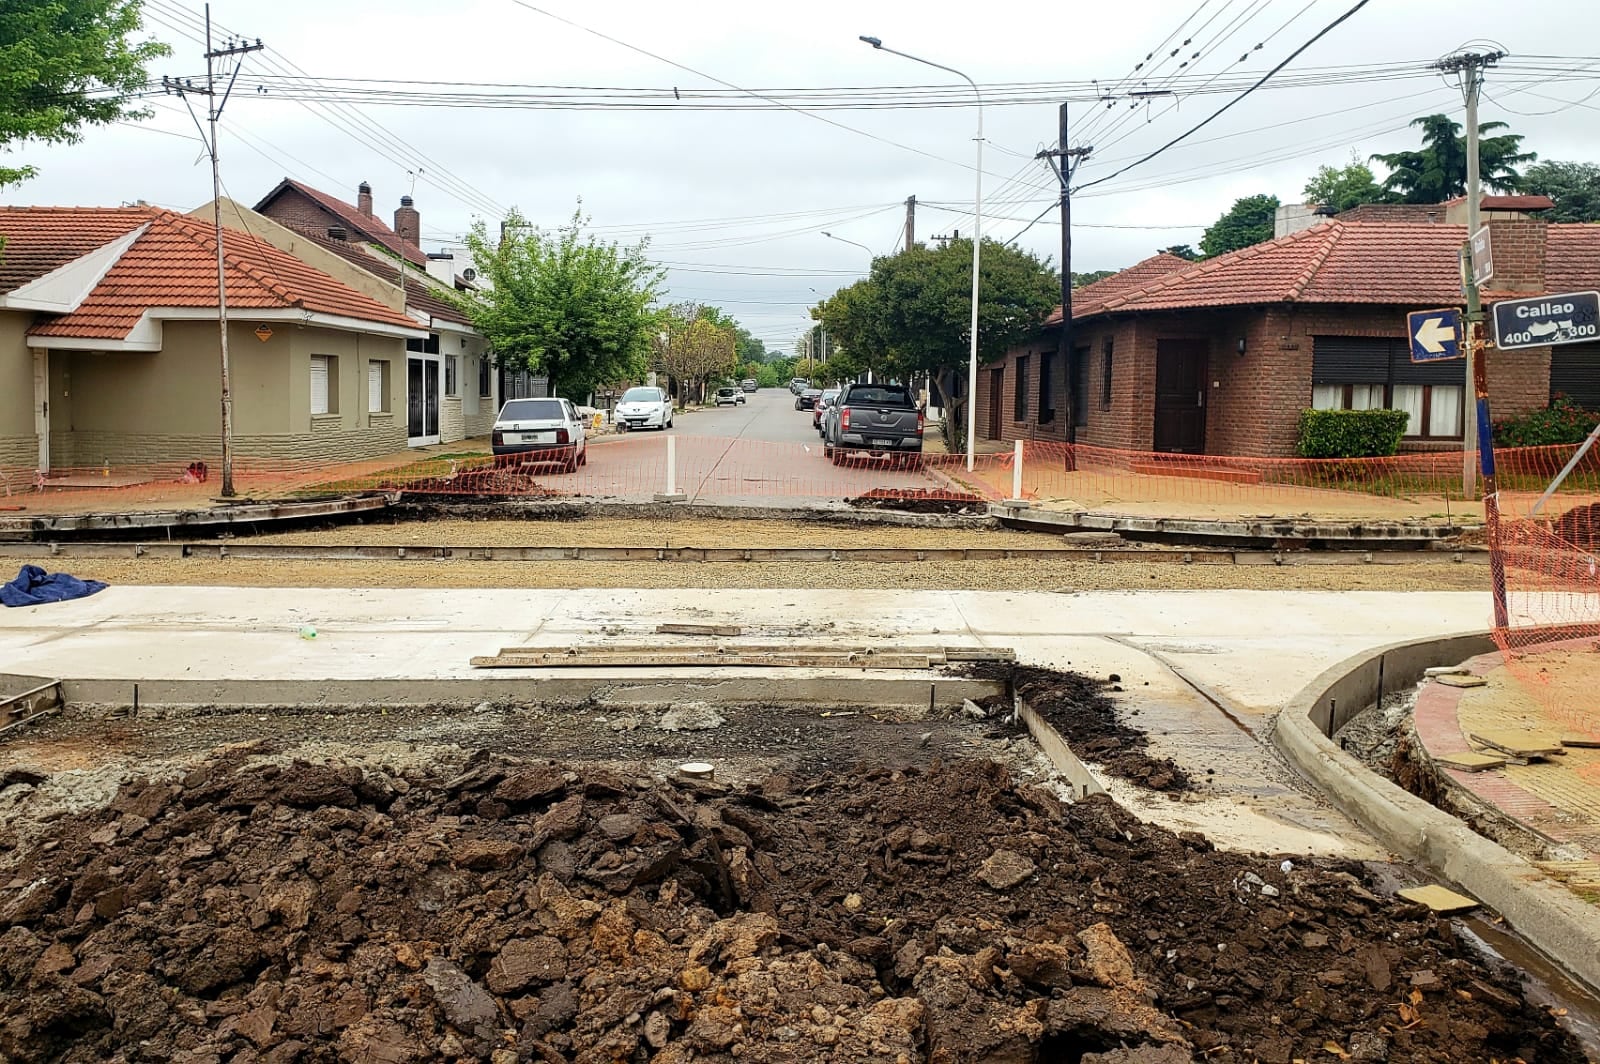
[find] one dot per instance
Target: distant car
(748, 385)
(551, 429)
(807, 399)
(644, 408)
(798, 385)
(729, 397)
(820, 410)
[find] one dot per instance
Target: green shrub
(1350, 433)
(1561, 422)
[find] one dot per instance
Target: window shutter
(374, 387)
(319, 384)
(1349, 360)
(1575, 373)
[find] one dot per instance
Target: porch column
(41, 405)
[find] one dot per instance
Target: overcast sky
(761, 186)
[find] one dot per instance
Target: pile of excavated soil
(920, 501)
(1082, 712)
(510, 910)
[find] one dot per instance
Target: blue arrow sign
(1435, 334)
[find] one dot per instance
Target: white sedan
(548, 428)
(644, 408)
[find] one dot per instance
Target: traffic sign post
(1435, 335)
(1482, 257)
(1544, 321)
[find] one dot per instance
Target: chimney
(407, 222)
(338, 232)
(1519, 247)
(364, 199)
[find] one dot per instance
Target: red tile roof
(419, 293)
(1335, 262)
(41, 239)
(1091, 298)
(369, 226)
(174, 264)
(1517, 202)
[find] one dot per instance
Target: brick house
(108, 344)
(453, 387)
(1220, 357)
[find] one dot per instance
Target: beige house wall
(466, 414)
(140, 408)
(19, 446)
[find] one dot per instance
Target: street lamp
(823, 326)
(977, 241)
(842, 240)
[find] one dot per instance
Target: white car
(550, 429)
(644, 408)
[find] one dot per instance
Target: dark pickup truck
(880, 419)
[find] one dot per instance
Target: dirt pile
(520, 911)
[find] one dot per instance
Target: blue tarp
(34, 587)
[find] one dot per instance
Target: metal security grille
(1575, 373)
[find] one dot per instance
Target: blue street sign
(1541, 321)
(1435, 334)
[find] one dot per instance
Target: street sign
(1541, 321)
(1482, 257)
(1435, 334)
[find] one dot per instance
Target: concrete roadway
(764, 453)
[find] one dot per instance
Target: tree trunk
(951, 429)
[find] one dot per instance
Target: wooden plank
(1470, 762)
(1581, 741)
(1458, 680)
(1440, 900)
(699, 629)
(711, 660)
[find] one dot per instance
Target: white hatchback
(548, 428)
(644, 408)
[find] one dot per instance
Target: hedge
(1350, 433)
(1561, 422)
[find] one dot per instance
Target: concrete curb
(1543, 912)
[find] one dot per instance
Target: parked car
(807, 399)
(818, 412)
(549, 428)
(729, 397)
(644, 408)
(878, 419)
(749, 385)
(798, 385)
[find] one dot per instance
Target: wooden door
(997, 388)
(1180, 426)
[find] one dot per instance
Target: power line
(1329, 28)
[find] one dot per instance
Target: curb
(1542, 911)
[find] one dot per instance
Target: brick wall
(327, 440)
(298, 211)
(1519, 247)
(19, 451)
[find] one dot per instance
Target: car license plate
(882, 443)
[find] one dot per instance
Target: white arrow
(1432, 334)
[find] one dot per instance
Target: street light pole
(842, 240)
(977, 243)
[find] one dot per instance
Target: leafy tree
(695, 344)
(1574, 186)
(1183, 251)
(1247, 222)
(912, 313)
(66, 64)
(1438, 172)
(1344, 187)
(1081, 279)
(806, 368)
(772, 375)
(576, 310)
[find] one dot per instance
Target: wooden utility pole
(214, 107)
(1064, 161)
(911, 223)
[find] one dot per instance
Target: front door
(422, 400)
(1180, 396)
(41, 405)
(997, 387)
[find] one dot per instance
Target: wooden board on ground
(699, 629)
(1442, 901)
(1580, 741)
(1515, 743)
(1447, 670)
(1453, 679)
(1467, 761)
(703, 659)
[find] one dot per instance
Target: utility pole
(214, 108)
(911, 222)
(1064, 161)
(1469, 67)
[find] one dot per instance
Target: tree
(1183, 251)
(910, 316)
(1574, 186)
(578, 311)
(1248, 221)
(1439, 171)
(1344, 187)
(695, 344)
(64, 65)
(1081, 279)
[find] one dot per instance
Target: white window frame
(378, 386)
(452, 376)
(324, 371)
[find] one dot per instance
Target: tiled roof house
(1220, 356)
(109, 345)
